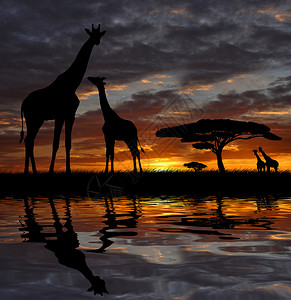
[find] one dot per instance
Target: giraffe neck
(257, 156)
(73, 76)
(266, 157)
(107, 111)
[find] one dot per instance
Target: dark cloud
(205, 41)
(272, 105)
(200, 42)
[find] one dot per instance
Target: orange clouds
(276, 13)
(196, 87)
(151, 110)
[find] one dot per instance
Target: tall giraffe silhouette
(270, 163)
(260, 164)
(58, 102)
(116, 128)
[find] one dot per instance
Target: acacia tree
(197, 166)
(216, 134)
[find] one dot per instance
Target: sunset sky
(166, 62)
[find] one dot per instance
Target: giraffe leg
(26, 166)
(107, 160)
(132, 145)
(109, 154)
(139, 163)
(134, 164)
(68, 142)
(57, 133)
(112, 159)
(32, 130)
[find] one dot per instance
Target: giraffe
(58, 102)
(260, 164)
(270, 163)
(116, 128)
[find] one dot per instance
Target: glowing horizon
(165, 64)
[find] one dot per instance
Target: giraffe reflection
(117, 221)
(63, 242)
(267, 202)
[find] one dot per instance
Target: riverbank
(150, 182)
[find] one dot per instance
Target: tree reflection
(196, 221)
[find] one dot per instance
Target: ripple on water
(180, 247)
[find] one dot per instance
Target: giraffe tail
(22, 131)
(141, 149)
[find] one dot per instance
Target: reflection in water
(267, 202)
(114, 221)
(154, 245)
(216, 219)
(64, 243)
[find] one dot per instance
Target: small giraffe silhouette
(58, 102)
(260, 164)
(116, 128)
(270, 163)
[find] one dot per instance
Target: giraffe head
(98, 81)
(95, 34)
(260, 149)
(255, 151)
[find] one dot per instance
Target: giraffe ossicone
(58, 101)
(116, 128)
(260, 164)
(270, 163)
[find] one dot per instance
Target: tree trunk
(219, 162)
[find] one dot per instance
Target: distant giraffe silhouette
(260, 164)
(116, 128)
(58, 102)
(270, 163)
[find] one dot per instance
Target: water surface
(165, 247)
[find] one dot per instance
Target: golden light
(197, 87)
(161, 76)
(276, 13)
(116, 87)
(86, 95)
(285, 112)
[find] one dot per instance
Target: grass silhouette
(152, 182)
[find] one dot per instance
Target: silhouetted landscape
(151, 182)
(177, 96)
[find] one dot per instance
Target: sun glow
(286, 112)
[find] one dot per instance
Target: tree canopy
(197, 166)
(215, 134)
